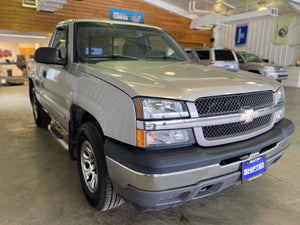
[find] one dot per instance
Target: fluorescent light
(228, 5)
(22, 36)
(262, 8)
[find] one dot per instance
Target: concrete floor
(40, 185)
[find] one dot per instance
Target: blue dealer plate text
(253, 168)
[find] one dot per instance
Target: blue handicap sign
(241, 35)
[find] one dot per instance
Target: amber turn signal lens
(138, 108)
(141, 138)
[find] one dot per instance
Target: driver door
(54, 79)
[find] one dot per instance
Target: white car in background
(220, 57)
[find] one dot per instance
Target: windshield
(96, 42)
(251, 58)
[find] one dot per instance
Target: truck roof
(65, 22)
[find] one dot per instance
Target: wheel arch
(30, 85)
(78, 117)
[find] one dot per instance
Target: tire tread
(111, 199)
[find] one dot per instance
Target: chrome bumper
(278, 75)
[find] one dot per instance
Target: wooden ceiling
(16, 17)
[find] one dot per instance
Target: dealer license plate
(253, 169)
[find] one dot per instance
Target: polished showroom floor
(40, 185)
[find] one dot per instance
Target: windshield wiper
(165, 57)
(114, 56)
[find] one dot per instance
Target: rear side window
(224, 55)
(203, 54)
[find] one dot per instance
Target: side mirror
(266, 60)
(48, 55)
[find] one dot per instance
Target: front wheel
(92, 169)
(41, 118)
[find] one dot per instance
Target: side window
(240, 59)
(60, 42)
(203, 54)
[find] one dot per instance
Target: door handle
(44, 74)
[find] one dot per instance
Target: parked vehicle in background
(215, 56)
(193, 56)
(253, 63)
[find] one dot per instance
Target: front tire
(41, 118)
(92, 169)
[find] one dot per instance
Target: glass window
(60, 42)
(203, 54)
(224, 55)
(240, 59)
(252, 58)
(98, 42)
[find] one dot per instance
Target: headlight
(269, 69)
(151, 108)
(279, 95)
(279, 114)
(165, 138)
(156, 109)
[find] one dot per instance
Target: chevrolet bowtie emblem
(248, 115)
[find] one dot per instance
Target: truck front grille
(230, 104)
(283, 76)
(234, 129)
(280, 69)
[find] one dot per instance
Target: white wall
(13, 47)
(260, 37)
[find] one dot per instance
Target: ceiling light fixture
(22, 36)
(44, 5)
(192, 8)
(29, 3)
(228, 5)
(262, 8)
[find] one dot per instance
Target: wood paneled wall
(16, 17)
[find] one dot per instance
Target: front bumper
(277, 75)
(160, 179)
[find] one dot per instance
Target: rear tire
(41, 118)
(92, 169)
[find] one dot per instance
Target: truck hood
(176, 80)
(261, 64)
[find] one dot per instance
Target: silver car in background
(214, 56)
(253, 63)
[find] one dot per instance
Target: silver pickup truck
(253, 63)
(144, 123)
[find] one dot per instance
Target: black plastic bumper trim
(179, 159)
